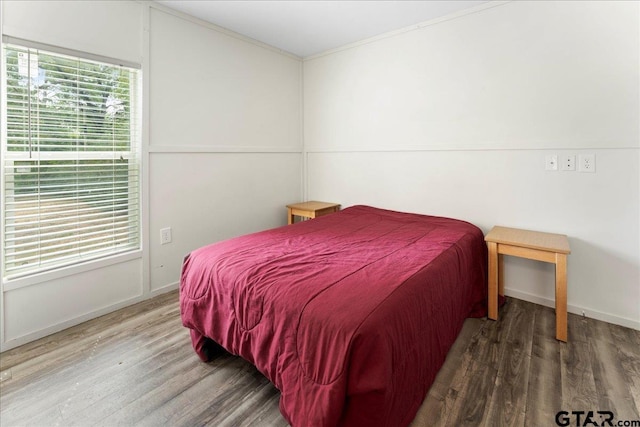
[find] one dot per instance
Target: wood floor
(135, 367)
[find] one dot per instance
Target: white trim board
(16, 342)
(219, 29)
(445, 18)
(41, 333)
(575, 309)
(221, 149)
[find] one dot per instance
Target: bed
(349, 315)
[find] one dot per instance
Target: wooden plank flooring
(135, 367)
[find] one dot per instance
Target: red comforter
(350, 315)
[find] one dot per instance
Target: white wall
(456, 118)
(221, 149)
(108, 29)
(211, 91)
(226, 138)
(208, 197)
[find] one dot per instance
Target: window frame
(62, 269)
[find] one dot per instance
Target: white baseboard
(24, 339)
(164, 289)
(588, 312)
(575, 309)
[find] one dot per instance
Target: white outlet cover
(587, 163)
(551, 162)
(568, 162)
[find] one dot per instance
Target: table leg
(493, 280)
(561, 297)
(289, 216)
(501, 274)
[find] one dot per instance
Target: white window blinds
(70, 149)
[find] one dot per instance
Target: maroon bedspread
(350, 315)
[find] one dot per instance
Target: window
(70, 160)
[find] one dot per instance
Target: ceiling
(305, 28)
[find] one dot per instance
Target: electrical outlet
(568, 163)
(587, 163)
(165, 235)
(551, 162)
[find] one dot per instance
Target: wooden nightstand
(310, 210)
(547, 247)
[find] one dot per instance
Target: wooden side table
(310, 210)
(546, 247)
